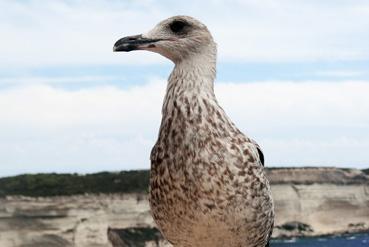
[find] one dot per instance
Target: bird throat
(192, 78)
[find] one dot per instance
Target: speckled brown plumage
(207, 183)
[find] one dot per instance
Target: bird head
(176, 38)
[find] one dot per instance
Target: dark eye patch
(178, 26)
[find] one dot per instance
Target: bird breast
(205, 170)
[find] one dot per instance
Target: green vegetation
(366, 171)
(53, 184)
(73, 184)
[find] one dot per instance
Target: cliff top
(318, 175)
(52, 184)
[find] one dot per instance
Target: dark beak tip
(125, 48)
(124, 44)
(118, 46)
(116, 49)
(130, 43)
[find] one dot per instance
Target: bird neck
(195, 74)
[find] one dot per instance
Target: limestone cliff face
(309, 201)
(69, 221)
(328, 200)
(326, 208)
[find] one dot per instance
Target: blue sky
(294, 75)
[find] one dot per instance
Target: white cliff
(326, 200)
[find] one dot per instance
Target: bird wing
(270, 235)
(260, 153)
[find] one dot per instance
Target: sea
(355, 240)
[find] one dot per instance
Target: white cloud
(49, 129)
(305, 123)
(83, 32)
(106, 128)
(343, 73)
(46, 128)
(61, 80)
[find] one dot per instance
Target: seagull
(207, 182)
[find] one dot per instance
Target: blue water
(357, 240)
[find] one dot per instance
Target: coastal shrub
(52, 184)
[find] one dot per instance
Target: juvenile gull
(207, 181)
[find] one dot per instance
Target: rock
(75, 220)
(136, 237)
(317, 175)
(357, 227)
(293, 229)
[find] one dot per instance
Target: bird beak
(136, 42)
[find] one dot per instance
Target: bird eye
(177, 26)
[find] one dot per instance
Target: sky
(293, 75)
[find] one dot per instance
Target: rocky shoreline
(309, 202)
(150, 236)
